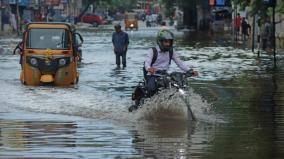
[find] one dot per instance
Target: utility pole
(253, 34)
(18, 18)
(1, 3)
(273, 34)
(258, 37)
(272, 3)
(235, 28)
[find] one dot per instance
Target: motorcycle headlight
(62, 62)
(181, 91)
(33, 62)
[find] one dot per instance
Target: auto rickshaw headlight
(131, 25)
(62, 62)
(33, 62)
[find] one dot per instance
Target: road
(236, 98)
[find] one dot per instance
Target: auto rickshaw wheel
(77, 79)
(22, 78)
(24, 82)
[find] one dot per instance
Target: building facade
(23, 11)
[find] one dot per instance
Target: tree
(88, 3)
(168, 4)
(189, 8)
(122, 5)
(259, 8)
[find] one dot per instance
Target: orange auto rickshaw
(49, 54)
(131, 21)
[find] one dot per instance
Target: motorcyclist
(164, 55)
(158, 61)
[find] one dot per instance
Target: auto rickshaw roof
(50, 25)
(130, 13)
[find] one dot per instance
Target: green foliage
(169, 7)
(89, 1)
(122, 5)
(170, 4)
(280, 7)
(241, 3)
(115, 5)
(187, 3)
(257, 7)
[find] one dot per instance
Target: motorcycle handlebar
(184, 75)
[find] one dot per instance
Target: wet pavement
(237, 100)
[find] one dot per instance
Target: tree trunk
(190, 17)
(84, 10)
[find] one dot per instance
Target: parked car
(93, 19)
(108, 20)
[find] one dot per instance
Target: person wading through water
(120, 43)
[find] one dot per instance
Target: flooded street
(237, 100)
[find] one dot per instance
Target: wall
(279, 28)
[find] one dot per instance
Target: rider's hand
(151, 70)
(191, 72)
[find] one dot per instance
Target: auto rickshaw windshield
(42, 38)
(131, 17)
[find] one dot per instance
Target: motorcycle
(163, 81)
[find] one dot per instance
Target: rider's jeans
(151, 85)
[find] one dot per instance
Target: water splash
(166, 104)
(170, 104)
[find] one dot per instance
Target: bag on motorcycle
(151, 83)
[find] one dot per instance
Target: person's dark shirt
(5, 19)
(244, 26)
(120, 40)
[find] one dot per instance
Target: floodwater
(237, 100)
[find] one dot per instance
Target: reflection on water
(250, 106)
(52, 136)
(163, 139)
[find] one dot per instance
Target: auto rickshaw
(49, 54)
(131, 21)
